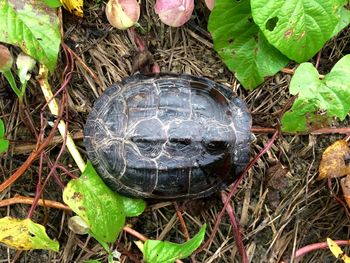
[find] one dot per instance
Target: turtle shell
(168, 136)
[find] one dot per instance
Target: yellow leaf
(336, 250)
(74, 6)
(24, 234)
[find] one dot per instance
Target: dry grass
(273, 224)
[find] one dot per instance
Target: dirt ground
(276, 216)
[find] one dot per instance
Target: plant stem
(23, 88)
(9, 76)
(46, 89)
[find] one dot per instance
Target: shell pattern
(168, 136)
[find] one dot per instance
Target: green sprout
(24, 64)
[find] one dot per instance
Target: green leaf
(240, 44)
(156, 251)
(330, 94)
(297, 118)
(33, 27)
(39, 237)
(344, 20)
(102, 209)
(24, 234)
(2, 128)
(92, 261)
(96, 204)
(53, 3)
(4, 144)
(298, 28)
(133, 207)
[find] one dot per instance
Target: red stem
(236, 231)
(322, 245)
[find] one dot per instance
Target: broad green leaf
(156, 251)
(96, 204)
(298, 117)
(241, 45)
(298, 28)
(344, 20)
(330, 94)
(24, 234)
(101, 208)
(33, 27)
(133, 207)
(53, 3)
(92, 261)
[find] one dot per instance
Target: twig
(135, 233)
(182, 221)
(292, 71)
(18, 199)
(20, 147)
(318, 59)
(289, 71)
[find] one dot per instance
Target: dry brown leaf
(276, 180)
(74, 6)
(345, 185)
(333, 160)
(277, 177)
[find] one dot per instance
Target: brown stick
(182, 221)
(18, 199)
(135, 233)
(291, 71)
(21, 147)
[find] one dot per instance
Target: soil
(280, 206)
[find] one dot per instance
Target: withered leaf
(345, 185)
(276, 177)
(333, 162)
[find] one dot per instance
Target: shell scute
(113, 158)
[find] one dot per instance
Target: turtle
(168, 136)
